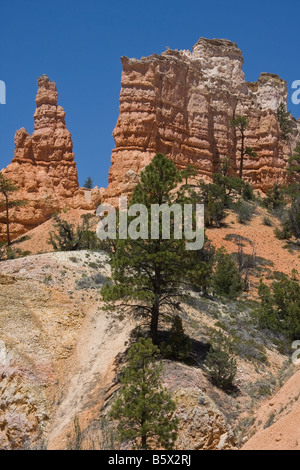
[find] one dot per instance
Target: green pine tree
(284, 119)
(6, 188)
(242, 123)
(144, 408)
(294, 161)
(226, 278)
(291, 225)
(279, 310)
(89, 183)
(151, 275)
(188, 172)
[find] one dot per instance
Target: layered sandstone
(181, 103)
(43, 167)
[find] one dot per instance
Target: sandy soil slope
(56, 341)
(277, 423)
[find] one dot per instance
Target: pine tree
(274, 198)
(284, 119)
(293, 169)
(6, 188)
(144, 408)
(151, 275)
(188, 172)
(291, 226)
(89, 183)
(242, 123)
(294, 162)
(214, 198)
(279, 310)
(226, 278)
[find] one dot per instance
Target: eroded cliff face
(43, 167)
(181, 103)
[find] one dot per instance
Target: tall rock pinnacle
(43, 166)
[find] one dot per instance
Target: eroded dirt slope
(59, 355)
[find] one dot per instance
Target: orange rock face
(181, 103)
(43, 166)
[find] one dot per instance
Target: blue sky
(79, 45)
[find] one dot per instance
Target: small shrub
(274, 198)
(283, 234)
(220, 363)
(247, 192)
(291, 226)
(67, 237)
(261, 388)
(77, 441)
(270, 420)
(26, 253)
(267, 221)
(92, 282)
(93, 265)
(244, 211)
(12, 253)
(48, 279)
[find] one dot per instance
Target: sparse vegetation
(279, 310)
(267, 221)
(291, 225)
(220, 363)
(67, 237)
(244, 211)
(144, 408)
(93, 282)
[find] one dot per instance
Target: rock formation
(181, 103)
(43, 166)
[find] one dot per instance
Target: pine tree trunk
(7, 221)
(154, 321)
(242, 156)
